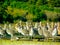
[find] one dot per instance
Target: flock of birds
(29, 29)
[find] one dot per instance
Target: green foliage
(40, 17)
(35, 9)
(22, 0)
(54, 3)
(41, 2)
(32, 1)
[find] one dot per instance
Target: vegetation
(33, 10)
(34, 42)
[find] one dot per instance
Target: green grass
(8, 42)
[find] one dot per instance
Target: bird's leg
(53, 39)
(12, 37)
(24, 36)
(19, 35)
(30, 37)
(0, 37)
(46, 39)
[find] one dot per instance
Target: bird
(58, 24)
(22, 30)
(27, 25)
(48, 27)
(31, 32)
(11, 32)
(40, 29)
(36, 25)
(55, 30)
(5, 26)
(46, 33)
(1, 32)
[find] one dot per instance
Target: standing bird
(31, 32)
(58, 28)
(48, 27)
(1, 32)
(5, 26)
(46, 33)
(27, 26)
(36, 25)
(22, 30)
(11, 32)
(55, 30)
(40, 31)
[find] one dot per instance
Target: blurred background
(29, 10)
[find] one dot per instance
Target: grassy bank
(8, 42)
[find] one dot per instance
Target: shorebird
(48, 27)
(40, 31)
(31, 32)
(22, 30)
(11, 32)
(46, 33)
(36, 25)
(2, 32)
(55, 30)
